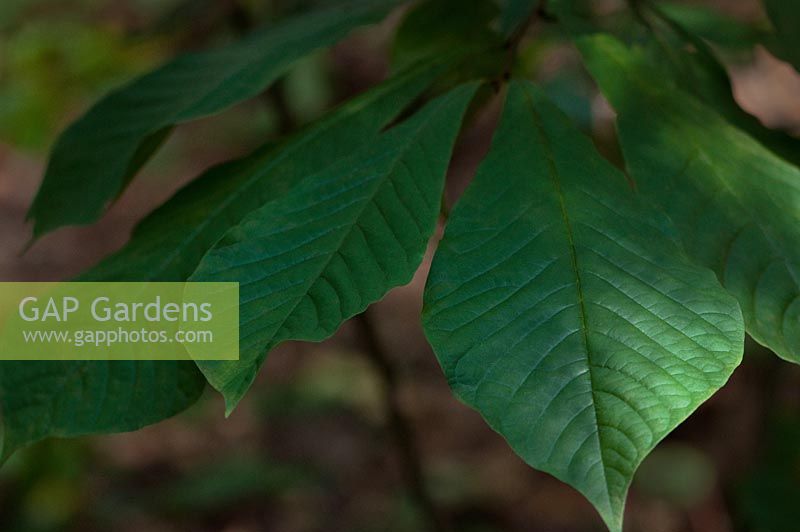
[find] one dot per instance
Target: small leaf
(72, 398)
(734, 203)
(168, 244)
(96, 156)
(335, 243)
(564, 312)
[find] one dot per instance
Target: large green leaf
(95, 157)
(168, 245)
(335, 243)
(735, 204)
(71, 398)
(561, 308)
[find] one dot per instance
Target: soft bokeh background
(316, 445)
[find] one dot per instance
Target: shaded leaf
(714, 25)
(441, 26)
(75, 398)
(733, 201)
(515, 13)
(691, 65)
(168, 244)
(94, 158)
(335, 243)
(562, 309)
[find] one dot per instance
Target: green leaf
(691, 65)
(714, 25)
(561, 308)
(95, 157)
(688, 63)
(515, 13)
(168, 244)
(734, 202)
(441, 26)
(335, 243)
(68, 399)
(785, 18)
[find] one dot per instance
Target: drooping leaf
(735, 204)
(336, 242)
(561, 308)
(785, 18)
(95, 157)
(75, 398)
(168, 245)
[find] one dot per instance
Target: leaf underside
(566, 314)
(335, 243)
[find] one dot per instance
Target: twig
(400, 426)
(514, 40)
(275, 96)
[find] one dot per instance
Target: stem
(514, 40)
(240, 19)
(400, 426)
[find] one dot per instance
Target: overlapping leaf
(735, 204)
(685, 60)
(72, 398)
(690, 64)
(563, 310)
(95, 157)
(335, 243)
(169, 244)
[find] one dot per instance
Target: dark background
(315, 444)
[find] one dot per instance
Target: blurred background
(359, 433)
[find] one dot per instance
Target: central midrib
(345, 234)
(553, 173)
